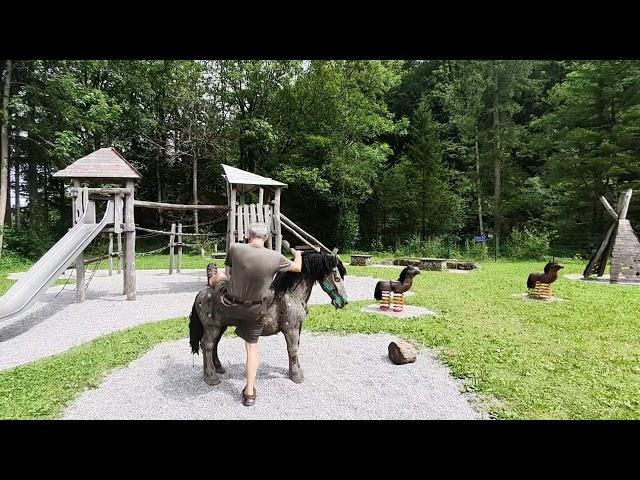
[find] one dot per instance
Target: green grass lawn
(578, 358)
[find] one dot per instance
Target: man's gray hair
(258, 230)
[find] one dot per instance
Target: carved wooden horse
(398, 287)
(539, 283)
(549, 276)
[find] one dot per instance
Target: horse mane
(403, 274)
(315, 265)
(547, 267)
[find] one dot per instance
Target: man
(250, 268)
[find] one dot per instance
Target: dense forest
(409, 156)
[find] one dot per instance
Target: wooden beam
(104, 191)
(609, 208)
(231, 221)
(588, 271)
(177, 206)
(179, 269)
(130, 244)
(171, 246)
(276, 219)
(290, 222)
(110, 254)
(624, 204)
(96, 259)
(79, 206)
(316, 248)
(119, 253)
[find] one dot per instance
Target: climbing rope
(65, 283)
(151, 252)
(86, 287)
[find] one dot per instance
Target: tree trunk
(16, 190)
(34, 195)
(498, 169)
(8, 219)
(159, 182)
(423, 229)
(195, 191)
(479, 185)
(4, 140)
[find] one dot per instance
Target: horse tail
(196, 330)
(377, 293)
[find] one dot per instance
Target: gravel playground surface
(345, 377)
(56, 323)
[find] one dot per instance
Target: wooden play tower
(266, 208)
(106, 175)
(241, 187)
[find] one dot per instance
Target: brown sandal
(249, 400)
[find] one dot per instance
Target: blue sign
(480, 238)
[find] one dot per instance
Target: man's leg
(251, 365)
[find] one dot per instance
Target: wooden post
(119, 257)
(110, 254)
(130, 244)
(276, 218)
(202, 253)
(179, 247)
(267, 220)
(80, 267)
(171, 238)
(624, 204)
(231, 227)
(260, 196)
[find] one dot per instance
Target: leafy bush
(28, 242)
(528, 244)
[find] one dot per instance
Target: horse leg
(211, 332)
(216, 340)
(292, 336)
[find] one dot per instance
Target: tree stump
(401, 353)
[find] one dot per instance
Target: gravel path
(603, 280)
(56, 323)
(346, 377)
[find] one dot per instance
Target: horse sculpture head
(408, 273)
(321, 267)
(552, 266)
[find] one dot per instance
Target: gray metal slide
(53, 264)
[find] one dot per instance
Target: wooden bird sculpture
(549, 276)
(401, 285)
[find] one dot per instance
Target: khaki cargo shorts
(248, 319)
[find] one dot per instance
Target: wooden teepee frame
(620, 244)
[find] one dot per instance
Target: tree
(4, 140)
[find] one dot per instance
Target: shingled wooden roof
(103, 163)
(235, 176)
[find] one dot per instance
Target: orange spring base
(385, 302)
(393, 301)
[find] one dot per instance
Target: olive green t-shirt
(252, 270)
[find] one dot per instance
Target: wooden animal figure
(549, 276)
(403, 284)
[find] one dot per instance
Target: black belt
(244, 302)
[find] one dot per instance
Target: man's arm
(296, 266)
(228, 263)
